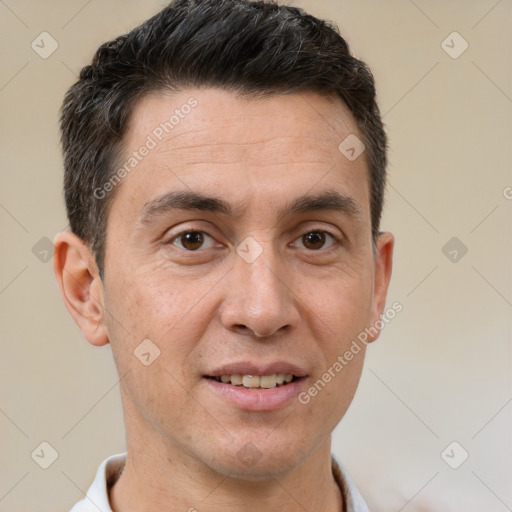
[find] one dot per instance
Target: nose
(259, 302)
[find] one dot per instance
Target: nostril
(248, 331)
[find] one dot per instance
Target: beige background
(441, 371)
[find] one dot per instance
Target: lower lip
(257, 399)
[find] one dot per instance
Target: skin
(209, 307)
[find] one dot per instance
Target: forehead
(196, 115)
(243, 148)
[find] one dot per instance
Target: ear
(81, 287)
(383, 263)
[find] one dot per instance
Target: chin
(259, 472)
(257, 464)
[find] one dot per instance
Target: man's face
(276, 275)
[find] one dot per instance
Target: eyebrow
(187, 200)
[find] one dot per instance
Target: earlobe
(81, 286)
(382, 276)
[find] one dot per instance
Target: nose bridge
(261, 277)
(258, 299)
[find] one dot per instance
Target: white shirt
(96, 499)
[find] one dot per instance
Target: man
(224, 179)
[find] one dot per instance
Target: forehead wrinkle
(304, 152)
(274, 139)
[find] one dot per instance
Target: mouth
(256, 381)
(255, 388)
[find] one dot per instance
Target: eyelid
(336, 239)
(177, 236)
(187, 226)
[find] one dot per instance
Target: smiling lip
(248, 368)
(257, 399)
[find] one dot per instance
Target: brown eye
(316, 240)
(192, 240)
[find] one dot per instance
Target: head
(220, 227)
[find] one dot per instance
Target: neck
(158, 478)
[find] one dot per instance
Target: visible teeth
(268, 381)
(251, 381)
(255, 381)
(236, 380)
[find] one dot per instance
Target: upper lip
(259, 369)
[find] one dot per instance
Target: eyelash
(336, 240)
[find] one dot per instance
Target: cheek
(344, 307)
(149, 300)
(341, 301)
(170, 310)
(331, 392)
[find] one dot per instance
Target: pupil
(314, 240)
(192, 240)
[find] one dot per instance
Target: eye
(193, 240)
(316, 240)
